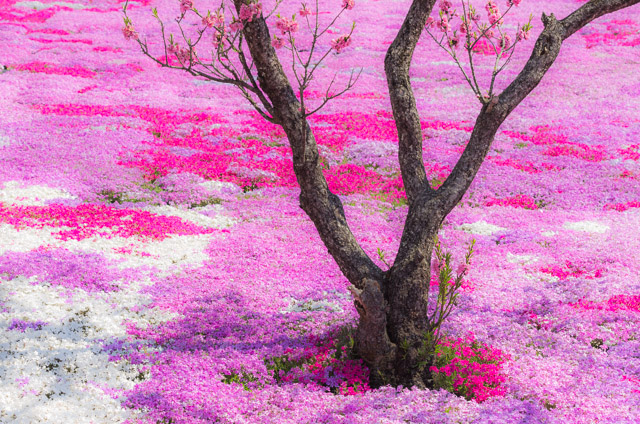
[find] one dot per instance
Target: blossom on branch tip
(129, 33)
(430, 23)
(445, 5)
(513, 2)
(348, 4)
(341, 43)
(247, 12)
(185, 5)
(286, 25)
(304, 11)
(213, 20)
(505, 42)
(181, 53)
(443, 25)
(523, 34)
(277, 42)
(236, 26)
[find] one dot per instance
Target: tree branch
(590, 11)
(323, 207)
(493, 114)
(403, 103)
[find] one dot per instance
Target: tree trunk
(394, 322)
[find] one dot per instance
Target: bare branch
(396, 63)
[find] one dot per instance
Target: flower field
(155, 266)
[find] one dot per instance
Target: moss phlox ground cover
(155, 265)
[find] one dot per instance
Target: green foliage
(281, 365)
(240, 377)
(597, 343)
(382, 258)
(449, 283)
(206, 202)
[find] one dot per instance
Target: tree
(396, 332)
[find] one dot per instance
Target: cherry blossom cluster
(466, 28)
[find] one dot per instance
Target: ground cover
(155, 266)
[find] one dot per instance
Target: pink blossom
(213, 20)
(493, 12)
(443, 24)
(445, 5)
(236, 26)
(505, 42)
(185, 5)
(341, 43)
(348, 4)
(523, 34)
(180, 52)
(129, 33)
(247, 12)
(277, 42)
(286, 25)
(513, 2)
(430, 23)
(304, 11)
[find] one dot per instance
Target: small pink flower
(213, 20)
(236, 26)
(185, 5)
(454, 42)
(277, 42)
(505, 42)
(445, 5)
(430, 23)
(286, 25)
(129, 33)
(523, 35)
(443, 25)
(513, 2)
(247, 12)
(304, 11)
(435, 266)
(348, 4)
(341, 43)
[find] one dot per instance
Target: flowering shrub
(475, 36)
(327, 366)
(468, 368)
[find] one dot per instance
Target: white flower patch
(162, 254)
(296, 305)
(14, 193)
(549, 233)
(220, 186)
(37, 5)
(25, 239)
(4, 140)
(60, 370)
(586, 226)
(220, 221)
(481, 228)
(521, 259)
